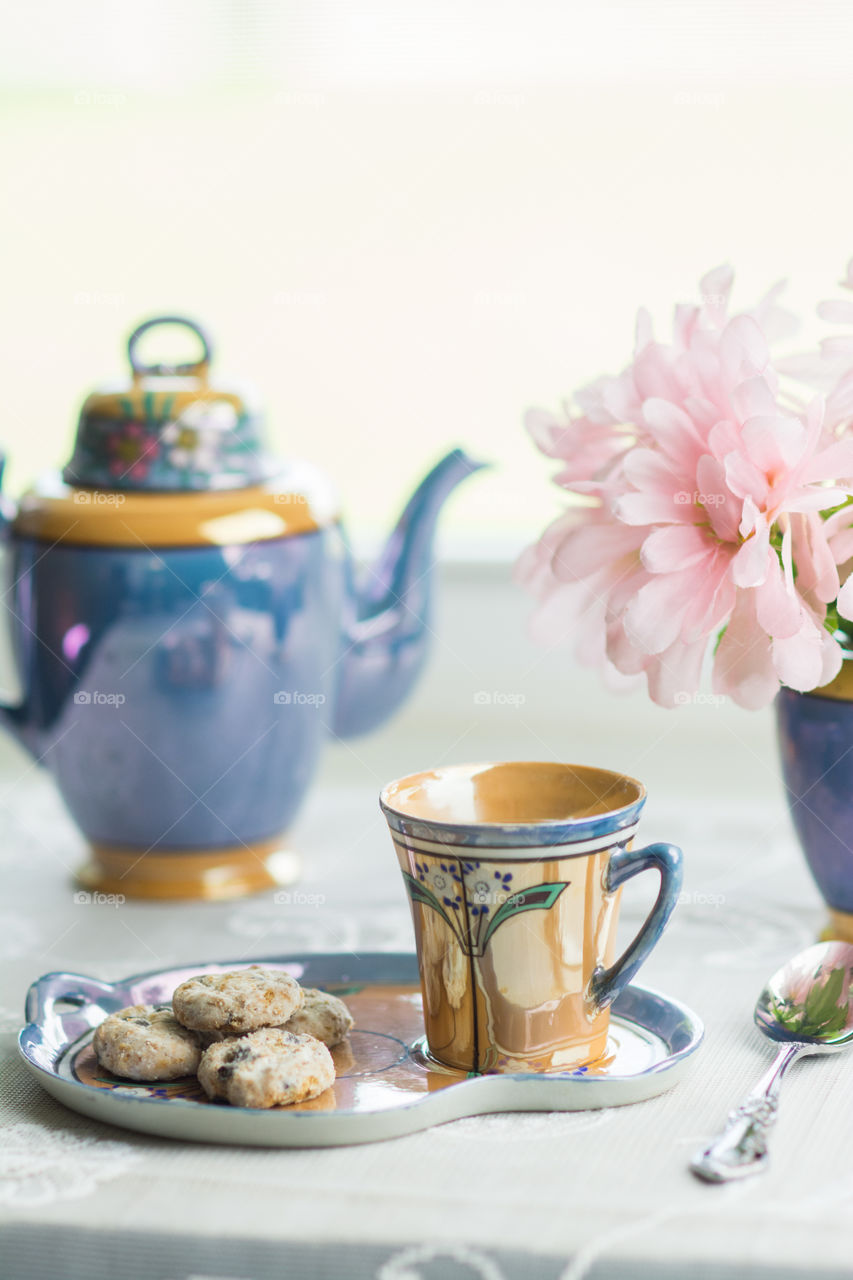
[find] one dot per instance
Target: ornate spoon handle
(741, 1149)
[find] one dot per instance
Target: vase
(816, 745)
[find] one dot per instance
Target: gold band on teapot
(204, 873)
(225, 517)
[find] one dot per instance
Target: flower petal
(743, 664)
(749, 566)
(836, 311)
(654, 374)
(773, 441)
(646, 469)
(845, 599)
(545, 430)
(712, 601)
(833, 463)
(743, 349)
(716, 285)
(778, 609)
(723, 509)
(840, 345)
(753, 397)
(673, 676)
(744, 479)
(838, 521)
(653, 618)
(676, 547)
(654, 508)
(841, 547)
(590, 548)
(815, 499)
(668, 422)
(833, 657)
(799, 659)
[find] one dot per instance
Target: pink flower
(831, 370)
(703, 489)
(795, 982)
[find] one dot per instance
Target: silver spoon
(806, 1006)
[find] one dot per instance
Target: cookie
(237, 1002)
(267, 1068)
(146, 1042)
(321, 1015)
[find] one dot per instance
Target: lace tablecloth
(544, 1197)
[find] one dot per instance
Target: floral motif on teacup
(474, 898)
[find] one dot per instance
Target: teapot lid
(167, 429)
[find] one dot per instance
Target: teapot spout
(387, 632)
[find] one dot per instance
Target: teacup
(513, 873)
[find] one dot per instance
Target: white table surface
(556, 1197)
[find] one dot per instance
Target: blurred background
(404, 223)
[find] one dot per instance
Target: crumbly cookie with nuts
(146, 1042)
(267, 1068)
(321, 1015)
(237, 1002)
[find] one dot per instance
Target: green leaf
(822, 1014)
(836, 1023)
(822, 1001)
(420, 893)
(831, 511)
(540, 897)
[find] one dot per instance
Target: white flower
(216, 416)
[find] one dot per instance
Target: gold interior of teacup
(524, 791)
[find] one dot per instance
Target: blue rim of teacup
(516, 835)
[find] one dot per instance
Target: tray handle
(75, 990)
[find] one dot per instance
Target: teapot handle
(197, 367)
(12, 690)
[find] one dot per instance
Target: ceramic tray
(386, 1084)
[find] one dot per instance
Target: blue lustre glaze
(513, 836)
(816, 745)
(180, 696)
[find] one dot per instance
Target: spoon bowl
(808, 1000)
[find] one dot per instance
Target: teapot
(188, 628)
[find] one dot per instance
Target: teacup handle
(624, 864)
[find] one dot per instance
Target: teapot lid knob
(197, 368)
(167, 429)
